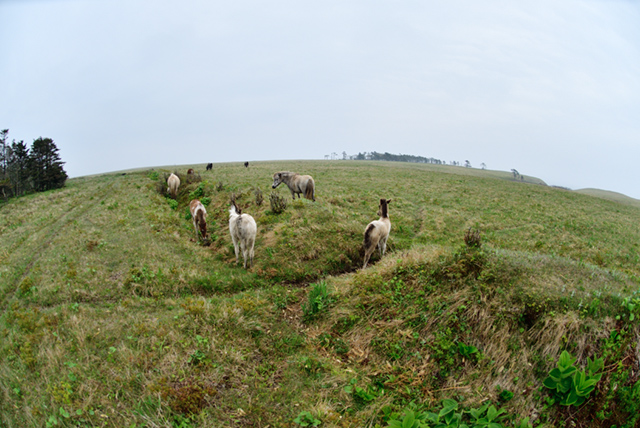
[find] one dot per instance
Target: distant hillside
(612, 196)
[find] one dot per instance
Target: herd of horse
(243, 229)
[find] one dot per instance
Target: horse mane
(384, 207)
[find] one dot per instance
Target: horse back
(195, 206)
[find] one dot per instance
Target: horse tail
(367, 235)
(239, 226)
(310, 190)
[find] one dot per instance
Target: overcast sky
(550, 88)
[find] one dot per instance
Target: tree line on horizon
(29, 169)
(386, 156)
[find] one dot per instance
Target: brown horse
(298, 184)
(199, 215)
(377, 232)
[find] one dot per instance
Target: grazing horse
(243, 233)
(377, 232)
(199, 215)
(209, 166)
(297, 184)
(173, 182)
(246, 164)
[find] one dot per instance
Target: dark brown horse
(199, 215)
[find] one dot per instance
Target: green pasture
(113, 314)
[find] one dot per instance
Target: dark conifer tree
(45, 166)
(18, 168)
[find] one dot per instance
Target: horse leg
(367, 255)
(235, 246)
(382, 246)
(251, 245)
(243, 245)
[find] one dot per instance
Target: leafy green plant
(486, 416)
(198, 358)
(410, 419)
(198, 193)
(362, 395)
(505, 395)
(173, 204)
(570, 386)
(467, 351)
(319, 298)
(448, 416)
(632, 306)
(306, 419)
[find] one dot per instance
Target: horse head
(202, 224)
(277, 179)
(383, 210)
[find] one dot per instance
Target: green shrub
(259, 197)
(319, 298)
(278, 203)
(306, 419)
(570, 386)
(173, 204)
(198, 193)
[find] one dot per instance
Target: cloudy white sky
(550, 88)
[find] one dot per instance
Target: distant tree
(467, 164)
(18, 168)
(344, 155)
(5, 185)
(515, 173)
(45, 166)
(396, 158)
(483, 165)
(3, 153)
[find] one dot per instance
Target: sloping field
(112, 314)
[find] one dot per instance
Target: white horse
(199, 215)
(173, 182)
(297, 184)
(243, 229)
(377, 232)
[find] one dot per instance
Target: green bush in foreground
(570, 386)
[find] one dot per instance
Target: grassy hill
(113, 315)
